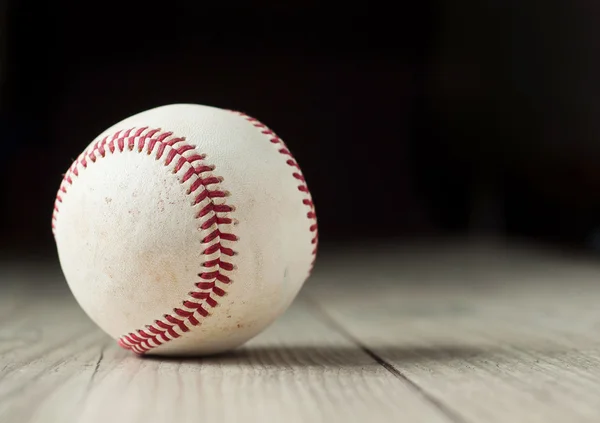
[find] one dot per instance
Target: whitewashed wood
(494, 335)
(461, 335)
(56, 367)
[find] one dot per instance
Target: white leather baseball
(185, 229)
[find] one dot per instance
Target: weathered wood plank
(56, 367)
(492, 337)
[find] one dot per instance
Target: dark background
(474, 117)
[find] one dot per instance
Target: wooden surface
(474, 334)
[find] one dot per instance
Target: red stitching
(201, 299)
(155, 141)
(297, 174)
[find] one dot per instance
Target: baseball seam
(212, 216)
(214, 279)
(297, 174)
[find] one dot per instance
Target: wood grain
(490, 337)
(453, 335)
(57, 367)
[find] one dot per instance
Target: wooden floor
(470, 334)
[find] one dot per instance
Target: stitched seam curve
(213, 280)
(297, 174)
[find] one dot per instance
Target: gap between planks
(328, 320)
(57, 367)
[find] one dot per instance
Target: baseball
(185, 230)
